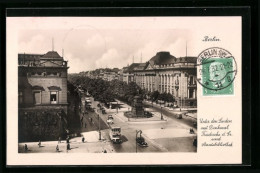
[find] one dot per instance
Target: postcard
(124, 90)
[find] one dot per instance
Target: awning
(37, 87)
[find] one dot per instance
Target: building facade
(42, 96)
(109, 76)
(167, 74)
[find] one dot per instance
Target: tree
(106, 91)
(155, 95)
(170, 98)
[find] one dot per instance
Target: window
(191, 80)
(37, 97)
(20, 97)
(54, 97)
(177, 81)
(191, 93)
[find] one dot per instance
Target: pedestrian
(59, 140)
(68, 146)
(191, 131)
(57, 148)
(195, 142)
(25, 148)
(39, 143)
(83, 139)
(68, 140)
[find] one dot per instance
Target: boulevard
(162, 135)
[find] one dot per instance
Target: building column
(165, 83)
(161, 83)
(169, 83)
(170, 88)
(143, 81)
(147, 82)
(150, 83)
(180, 85)
(153, 83)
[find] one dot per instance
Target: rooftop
(35, 57)
(162, 58)
(52, 55)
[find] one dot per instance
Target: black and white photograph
(97, 89)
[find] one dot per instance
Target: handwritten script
(217, 132)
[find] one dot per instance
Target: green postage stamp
(217, 71)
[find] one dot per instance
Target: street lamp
(117, 106)
(99, 127)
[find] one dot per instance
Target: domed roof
(162, 58)
(51, 55)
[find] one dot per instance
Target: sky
(99, 42)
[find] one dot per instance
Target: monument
(137, 107)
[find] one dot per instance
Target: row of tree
(155, 96)
(108, 91)
(101, 70)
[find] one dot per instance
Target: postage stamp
(217, 71)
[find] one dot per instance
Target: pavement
(92, 144)
(188, 118)
(188, 111)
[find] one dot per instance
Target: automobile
(178, 115)
(110, 117)
(148, 114)
(141, 142)
(110, 121)
(103, 111)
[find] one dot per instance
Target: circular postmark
(217, 70)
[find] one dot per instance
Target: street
(167, 135)
(163, 138)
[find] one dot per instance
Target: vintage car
(141, 142)
(110, 119)
(104, 112)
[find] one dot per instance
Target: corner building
(166, 73)
(42, 96)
